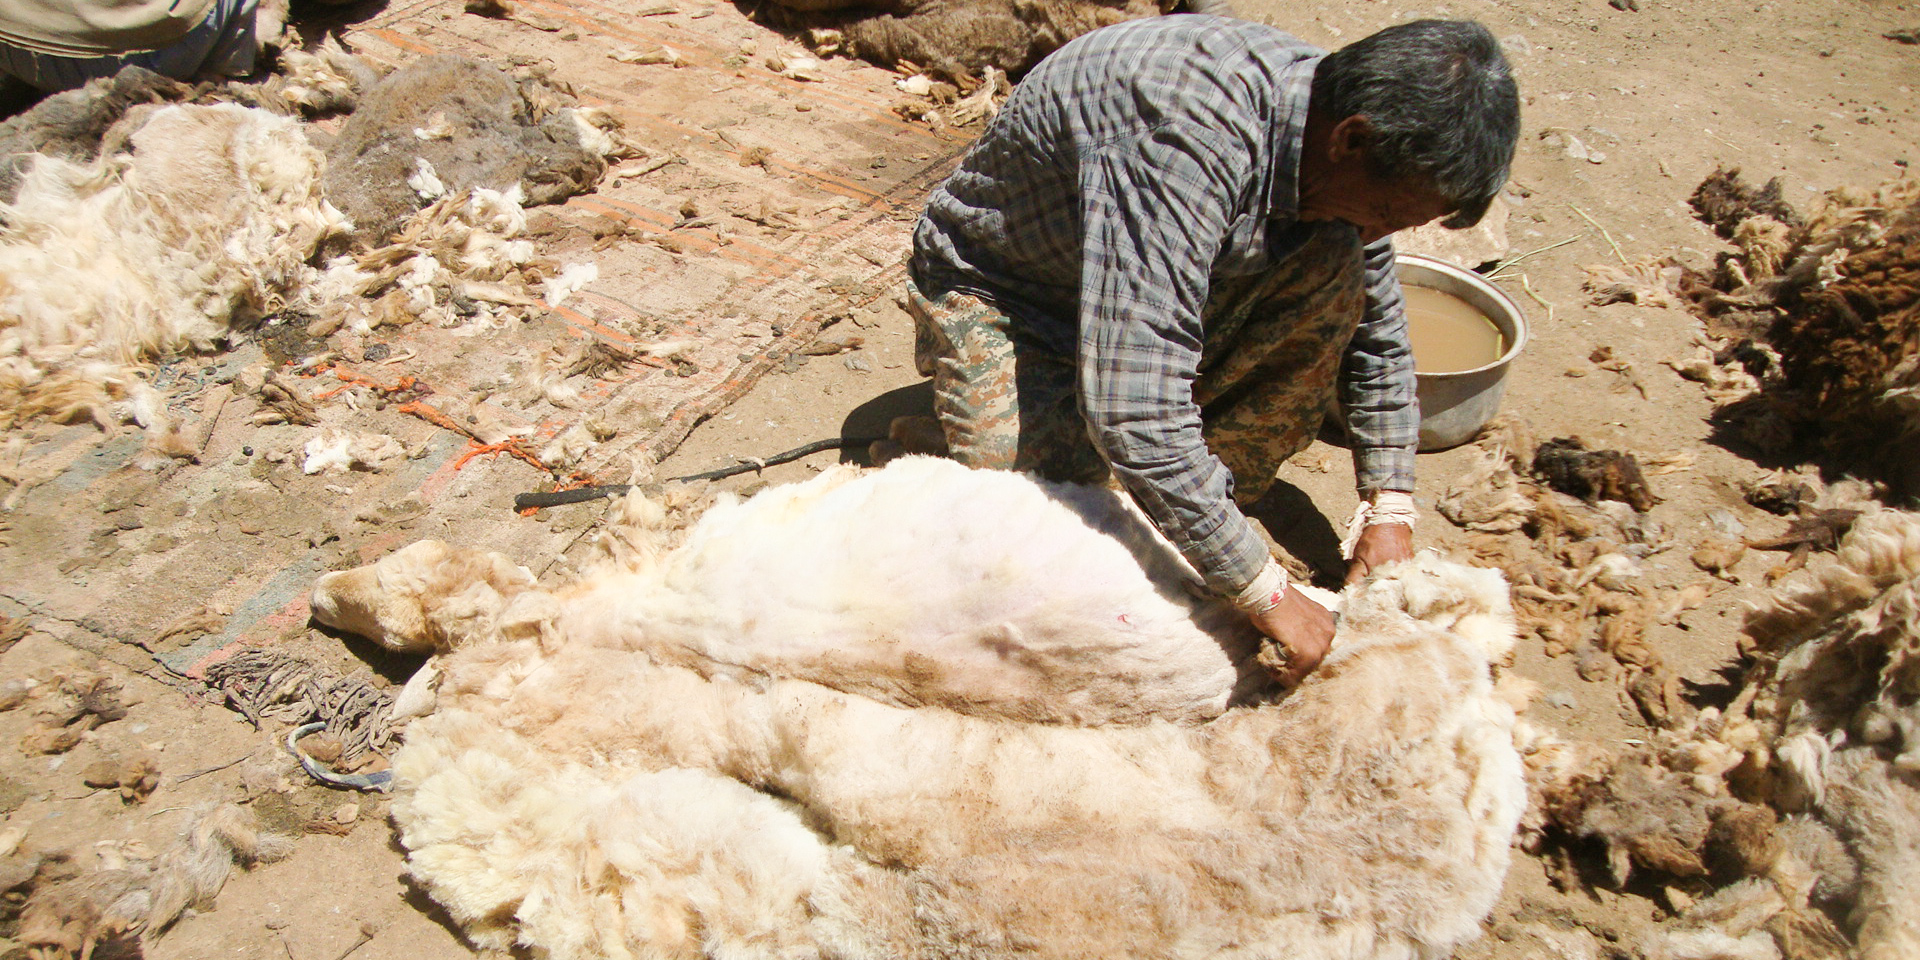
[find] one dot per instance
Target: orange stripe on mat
(587, 326)
(404, 42)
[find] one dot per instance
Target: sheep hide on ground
(932, 712)
(447, 124)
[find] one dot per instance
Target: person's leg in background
(226, 43)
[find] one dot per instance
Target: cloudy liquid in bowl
(1449, 334)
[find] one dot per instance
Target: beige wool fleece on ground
(632, 766)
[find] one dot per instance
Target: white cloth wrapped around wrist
(1264, 592)
(1387, 506)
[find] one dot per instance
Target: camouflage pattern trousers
(1269, 366)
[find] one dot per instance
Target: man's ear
(1350, 139)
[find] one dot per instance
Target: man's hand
(1380, 544)
(1303, 627)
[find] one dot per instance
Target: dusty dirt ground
(1658, 97)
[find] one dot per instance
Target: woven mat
(814, 225)
(833, 174)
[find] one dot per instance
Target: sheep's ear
(421, 693)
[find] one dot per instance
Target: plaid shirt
(1126, 170)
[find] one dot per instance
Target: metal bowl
(1455, 405)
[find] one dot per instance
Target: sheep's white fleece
(205, 221)
(590, 795)
(926, 584)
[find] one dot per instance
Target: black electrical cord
(556, 498)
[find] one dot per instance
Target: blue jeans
(224, 43)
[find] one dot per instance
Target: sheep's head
(428, 597)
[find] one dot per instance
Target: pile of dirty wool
(930, 711)
(1814, 323)
(151, 228)
(1785, 824)
(200, 226)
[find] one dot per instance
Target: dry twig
(1495, 273)
(1603, 233)
(1528, 287)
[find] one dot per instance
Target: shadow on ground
(871, 418)
(1292, 520)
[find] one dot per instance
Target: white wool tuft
(499, 211)
(736, 746)
(333, 450)
(425, 181)
(570, 446)
(595, 127)
(573, 278)
(417, 282)
(1803, 760)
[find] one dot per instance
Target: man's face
(1375, 207)
(1336, 184)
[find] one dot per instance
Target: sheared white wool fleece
(923, 584)
(572, 279)
(621, 777)
(333, 450)
(202, 225)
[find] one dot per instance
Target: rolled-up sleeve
(1377, 383)
(1152, 210)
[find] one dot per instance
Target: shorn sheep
(932, 712)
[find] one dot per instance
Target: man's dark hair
(1442, 105)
